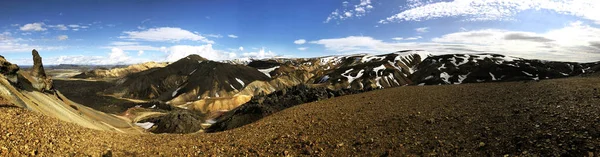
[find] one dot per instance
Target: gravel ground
(547, 118)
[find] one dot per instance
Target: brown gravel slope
(548, 118)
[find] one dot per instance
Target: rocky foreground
(547, 118)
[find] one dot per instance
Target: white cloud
(62, 37)
(74, 26)
(232, 36)
(9, 44)
(482, 10)
(165, 34)
(575, 42)
(241, 48)
(214, 35)
(409, 38)
(115, 56)
(38, 26)
(59, 27)
(179, 51)
(348, 11)
(302, 48)
(261, 54)
(123, 43)
(300, 41)
(132, 46)
(118, 55)
(140, 53)
(422, 29)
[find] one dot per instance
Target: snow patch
(211, 121)
(351, 78)
(461, 78)
(268, 71)
(369, 58)
(240, 81)
(376, 69)
(445, 77)
(442, 67)
(528, 74)
(145, 125)
(493, 77)
(175, 92)
(324, 79)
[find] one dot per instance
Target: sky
(134, 31)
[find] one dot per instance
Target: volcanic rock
(261, 106)
(38, 69)
(8, 69)
(38, 79)
(177, 122)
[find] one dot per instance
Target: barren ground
(548, 118)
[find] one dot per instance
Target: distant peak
(196, 57)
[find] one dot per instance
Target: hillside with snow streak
(475, 68)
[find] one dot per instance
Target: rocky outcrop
(38, 68)
(38, 77)
(8, 69)
(176, 122)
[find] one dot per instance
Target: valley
(397, 104)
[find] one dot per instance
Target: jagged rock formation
(33, 91)
(38, 67)
(37, 76)
(119, 72)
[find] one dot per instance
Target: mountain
(190, 78)
(475, 68)
(343, 75)
(119, 71)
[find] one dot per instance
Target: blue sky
(123, 32)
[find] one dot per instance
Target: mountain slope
(473, 68)
(34, 91)
(119, 72)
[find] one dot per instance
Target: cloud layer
(575, 42)
(484, 10)
(169, 34)
(349, 11)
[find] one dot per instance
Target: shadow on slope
(87, 93)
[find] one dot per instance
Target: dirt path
(548, 118)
